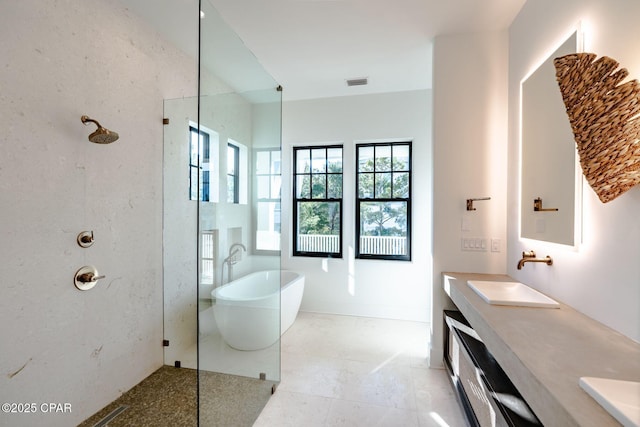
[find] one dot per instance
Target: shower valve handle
(89, 277)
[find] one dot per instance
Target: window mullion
(391, 170)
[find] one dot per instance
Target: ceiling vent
(358, 82)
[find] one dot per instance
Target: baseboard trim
(435, 358)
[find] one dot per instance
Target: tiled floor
(354, 371)
(169, 397)
(336, 371)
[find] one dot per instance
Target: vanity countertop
(545, 351)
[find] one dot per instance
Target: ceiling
(311, 47)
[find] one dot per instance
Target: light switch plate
(473, 244)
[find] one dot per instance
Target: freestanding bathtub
(246, 309)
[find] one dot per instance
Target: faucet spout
(530, 256)
(233, 251)
(237, 247)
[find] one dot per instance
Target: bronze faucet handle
(89, 277)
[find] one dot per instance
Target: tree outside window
(383, 208)
(199, 165)
(317, 182)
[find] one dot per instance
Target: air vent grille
(358, 82)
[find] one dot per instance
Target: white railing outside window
(370, 245)
(318, 243)
(383, 245)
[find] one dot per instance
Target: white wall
(470, 143)
(387, 289)
(58, 61)
(601, 278)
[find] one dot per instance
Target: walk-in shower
(215, 215)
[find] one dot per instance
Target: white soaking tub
(246, 309)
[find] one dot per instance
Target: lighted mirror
(550, 175)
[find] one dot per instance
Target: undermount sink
(620, 398)
(511, 293)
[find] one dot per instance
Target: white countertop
(546, 351)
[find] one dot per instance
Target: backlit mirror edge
(580, 31)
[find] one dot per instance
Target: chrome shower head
(101, 135)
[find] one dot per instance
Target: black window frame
(235, 177)
(311, 199)
(204, 193)
(360, 200)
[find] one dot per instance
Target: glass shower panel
(181, 157)
(238, 259)
(232, 311)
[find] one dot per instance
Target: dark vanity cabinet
(483, 389)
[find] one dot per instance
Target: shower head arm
(86, 119)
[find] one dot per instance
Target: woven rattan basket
(605, 119)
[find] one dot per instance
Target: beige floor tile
(317, 376)
(288, 409)
(355, 371)
(354, 414)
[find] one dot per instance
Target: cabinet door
(477, 394)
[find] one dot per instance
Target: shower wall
(58, 61)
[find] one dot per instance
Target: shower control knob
(86, 278)
(85, 239)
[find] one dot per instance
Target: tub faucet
(231, 260)
(530, 256)
(233, 251)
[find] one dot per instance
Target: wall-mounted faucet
(470, 202)
(537, 206)
(530, 256)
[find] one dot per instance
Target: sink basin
(620, 398)
(511, 293)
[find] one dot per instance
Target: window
(233, 173)
(383, 204)
(208, 249)
(199, 149)
(317, 204)
(268, 180)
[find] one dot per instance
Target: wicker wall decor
(605, 119)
